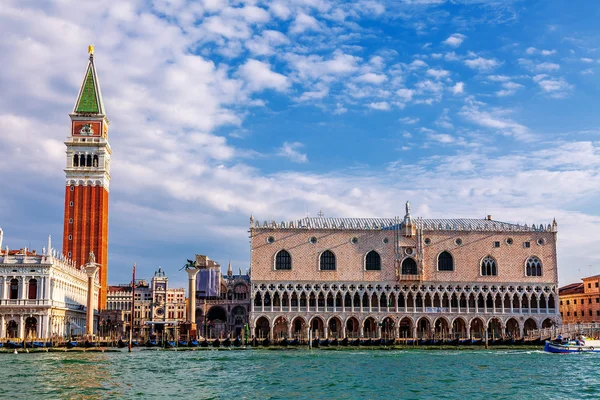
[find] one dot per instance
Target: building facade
(42, 296)
(87, 179)
(155, 305)
(580, 302)
(221, 311)
(402, 278)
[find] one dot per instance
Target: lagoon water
(316, 374)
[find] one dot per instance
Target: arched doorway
(512, 328)
(316, 327)
(388, 328)
(459, 328)
(423, 328)
(299, 328)
(262, 329)
(12, 329)
(31, 327)
(370, 328)
(442, 328)
(335, 328)
(494, 329)
(239, 320)
(406, 330)
(547, 323)
(352, 327)
(529, 326)
(477, 328)
(280, 328)
(217, 322)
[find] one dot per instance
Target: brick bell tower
(87, 179)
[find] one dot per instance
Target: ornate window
(14, 289)
(283, 260)
(445, 261)
(32, 289)
(373, 261)
(409, 266)
(533, 267)
(88, 162)
(327, 261)
(488, 266)
(76, 160)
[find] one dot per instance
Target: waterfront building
(580, 302)
(156, 305)
(402, 277)
(222, 301)
(41, 295)
(88, 178)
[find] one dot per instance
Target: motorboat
(580, 345)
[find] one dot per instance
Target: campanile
(87, 179)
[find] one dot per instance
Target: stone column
(90, 269)
(191, 314)
(2, 327)
(21, 327)
(361, 331)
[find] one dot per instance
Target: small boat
(344, 342)
(316, 342)
(266, 342)
(572, 346)
(237, 342)
(335, 342)
(227, 342)
(121, 344)
(216, 343)
(48, 344)
(355, 342)
(182, 343)
(149, 343)
(71, 344)
(170, 344)
(377, 342)
(194, 343)
(294, 342)
(390, 342)
(452, 342)
(423, 342)
(1, 344)
(14, 345)
(367, 342)
(496, 342)
(36, 345)
(204, 343)
(135, 343)
(464, 342)
(411, 341)
(536, 341)
(284, 342)
(324, 342)
(255, 342)
(89, 344)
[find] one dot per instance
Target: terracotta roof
(573, 288)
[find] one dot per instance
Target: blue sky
(221, 109)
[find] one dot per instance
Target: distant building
(580, 302)
(41, 295)
(402, 277)
(223, 301)
(155, 305)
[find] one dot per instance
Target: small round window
(509, 241)
(408, 251)
(313, 240)
(458, 242)
(427, 241)
(354, 240)
(270, 239)
(386, 240)
(541, 241)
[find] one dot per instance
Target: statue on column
(92, 258)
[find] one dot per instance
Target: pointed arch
(533, 266)
(489, 266)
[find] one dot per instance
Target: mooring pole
(132, 308)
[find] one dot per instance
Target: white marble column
(2, 327)
(21, 326)
(90, 268)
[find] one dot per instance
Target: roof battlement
(396, 223)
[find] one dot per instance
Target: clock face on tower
(161, 286)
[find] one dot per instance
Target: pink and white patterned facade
(402, 277)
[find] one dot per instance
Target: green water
(317, 374)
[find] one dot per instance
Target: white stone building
(41, 295)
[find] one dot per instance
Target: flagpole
(132, 308)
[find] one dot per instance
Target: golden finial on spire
(91, 49)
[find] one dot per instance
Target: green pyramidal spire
(89, 100)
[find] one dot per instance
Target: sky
(279, 109)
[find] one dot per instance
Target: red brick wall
(89, 230)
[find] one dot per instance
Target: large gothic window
(373, 261)
(409, 266)
(445, 262)
(283, 260)
(327, 261)
(488, 266)
(533, 267)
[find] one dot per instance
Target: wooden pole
(132, 308)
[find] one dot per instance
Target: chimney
(489, 217)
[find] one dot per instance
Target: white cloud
(482, 64)
(509, 89)
(538, 67)
(418, 64)
(409, 120)
(372, 78)
(554, 87)
(382, 105)
(441, 138)
(405, 94)
(455, 40)
(303, 23)
(290, 151)
(266, 43)
(496, 120)
(459, 88)
(533, 50)
(586, 60)
(438, 73)
(258, 76)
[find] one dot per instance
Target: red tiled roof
(573, 288)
